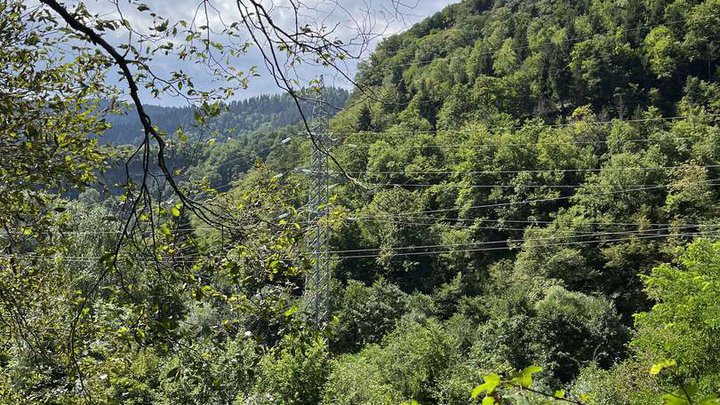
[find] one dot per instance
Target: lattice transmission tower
(317, 282)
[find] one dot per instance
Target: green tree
(293, 374)
(680, 325)
(366, 314)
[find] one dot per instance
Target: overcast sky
(381, 17)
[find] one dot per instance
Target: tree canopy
(522, 202)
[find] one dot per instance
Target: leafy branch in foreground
(517, 386)
(685, 393)
(216, 45)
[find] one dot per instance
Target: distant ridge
(266, 111)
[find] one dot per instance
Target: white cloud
(359, 23)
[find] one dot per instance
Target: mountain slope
(493, 60)
(266, 111)
(526, 165)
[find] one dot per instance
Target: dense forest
(236, 117)
(523, 208)
(217, 144)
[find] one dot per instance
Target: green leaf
(673, 399)
(710, 400)
(107, 259)
(165, 229)
(175, 211)
(490, 382)
(181, 136)
(488, 401)
(681, 396)
(524, 378)
(198, 117)
(659, 367)
(559, 394)
(162, 27)
(291, 310)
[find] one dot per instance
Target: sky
(378, 18)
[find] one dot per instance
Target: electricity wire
(532, 201)
(189, 259)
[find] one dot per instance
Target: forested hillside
(524, 169)
(219, 142)
(497, 62)
(266, 112)
(522, 207)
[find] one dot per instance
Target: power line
(501, 223)
(440, 221)
(527, 126)
(483, 243)
(501, 248)
(182, 260)
(380, 217)
(460, 184)
(501, 227)
(263, 151)
(505, 204)
(479, 243)
(470, 186)
(495, 172)
(465, 146)
(551, 171)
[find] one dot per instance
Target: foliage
(357, 379)
(294, 374)
(518, 388)
(366, 314)
(674, 334)
(520, 173)
(234, 119)
(408, 363)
